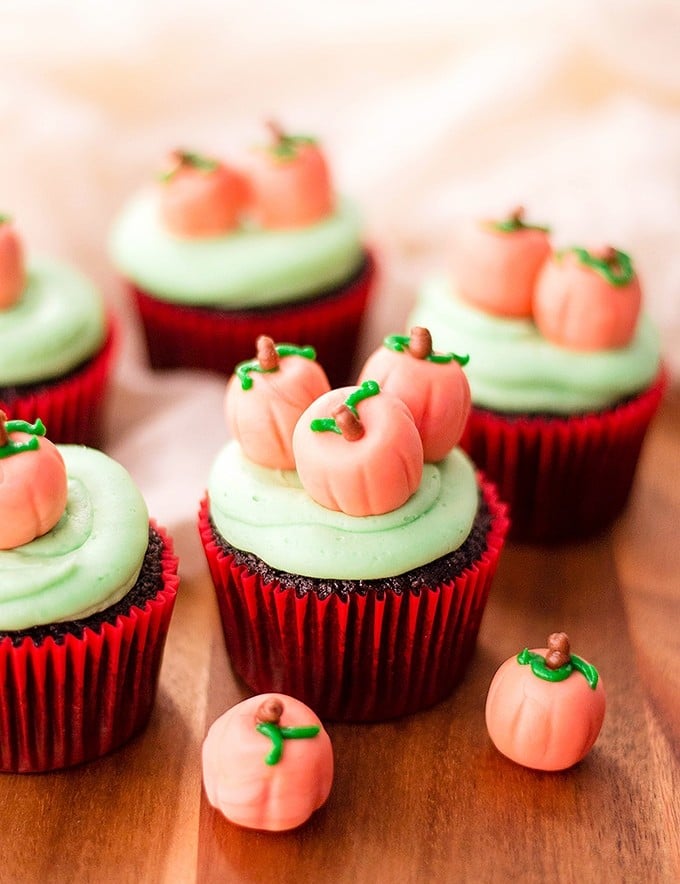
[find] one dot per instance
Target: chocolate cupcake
(355, 576)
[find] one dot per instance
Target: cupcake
(87, 588)
(267, 763)
(351, 572)
(213, 256)
(56, 343)
(565, 372)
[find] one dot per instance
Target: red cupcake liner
(564, 478)
(179, 336)
(65, 703)
(363, 658)
(71, 408)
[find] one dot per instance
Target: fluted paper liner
(365, 658)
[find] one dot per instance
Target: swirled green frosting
(267, 512)
(243, 268)
(513, 368)
(57, 323)
(92, 556)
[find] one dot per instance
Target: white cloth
(430, 111)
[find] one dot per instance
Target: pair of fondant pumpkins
(268, 762)
(580, 299)
(284, 185)
(358, 450)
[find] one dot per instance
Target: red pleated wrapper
(71, 408)
(564, 478)
(65, 703)
(179, 336)
(364, 658)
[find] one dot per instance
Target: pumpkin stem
(269, 711)
(420, 342)
(517, 214)
(348, 423)
(276, 130)
(266, 353)
(558, 650)
(4, 435)
(607, 254)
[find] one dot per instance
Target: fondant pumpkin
(268, 763)
(588, 300)
(290, 182)
(33, 483)
(12, 272)
(358, 451)
(433, 386)
(267, 395)
(496, 263)
(545, 707)
(200, 196)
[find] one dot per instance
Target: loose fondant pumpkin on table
(268, 763)
(33, 483)
(267, 395)
(201, 196)
(545, 707)
(433, 386)
(588, 300)
(496, 263)
(290, 182)
(358, 451)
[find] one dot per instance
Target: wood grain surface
(426, 798)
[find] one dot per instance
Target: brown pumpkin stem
(559, 651)
(4, 435)
(276, 130)
(420, 343)
(269, 711)
(517, 213)
(266, 353)
(606, 253)
(348, 423)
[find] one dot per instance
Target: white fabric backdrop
(429, 110)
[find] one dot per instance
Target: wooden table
(427, 798)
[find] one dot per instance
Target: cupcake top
(545, 707)
(51, 317)
(86, 522)
(361, 503)
(214, 236)
(267, 763)
(560, 333)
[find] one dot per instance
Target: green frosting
(267, 512)
(243, 268)
(92, 556)
(57, 323)
(515, 369)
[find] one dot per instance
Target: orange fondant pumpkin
(496, 264)
(290, 182)
(268, 763)
(358, 451)
(12, 272)
(267, 395)
(588, 300)
(33, 484)
(540, 723)
(433, 386)
(201, 197)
